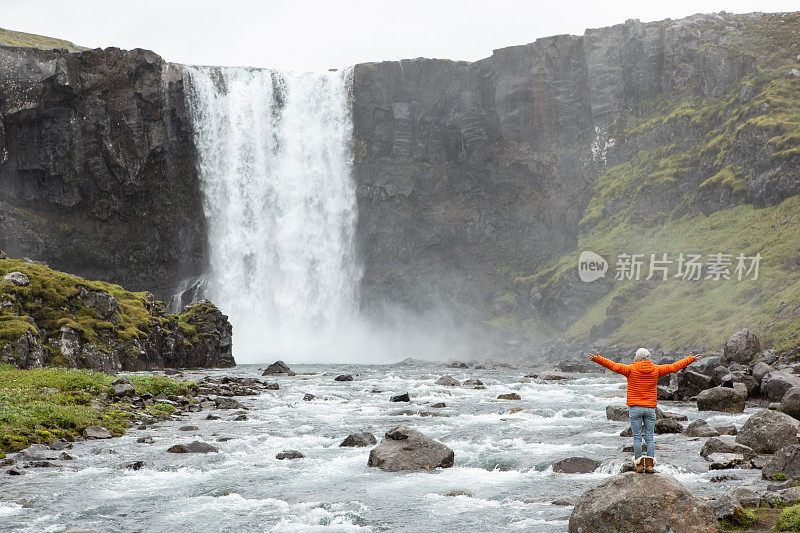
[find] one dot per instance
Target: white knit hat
(642, 354)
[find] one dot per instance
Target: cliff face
(472, 177)
(97, 166)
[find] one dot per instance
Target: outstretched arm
(663, 370)
(619, 368)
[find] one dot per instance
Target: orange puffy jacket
(643, 378)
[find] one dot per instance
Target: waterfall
(275, 161)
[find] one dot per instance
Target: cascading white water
(275, 162)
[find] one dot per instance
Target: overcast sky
(321, 34)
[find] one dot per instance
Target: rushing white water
(275, 158)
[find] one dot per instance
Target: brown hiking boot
(638, 465)
(649, 464)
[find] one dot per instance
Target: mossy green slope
(47, 404)
(18, 38)
(682, 181)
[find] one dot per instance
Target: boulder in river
(742, 347)
(768, 431)
(553, 375)
(193, 447)
(725, 445)
(617, 413)
(575, 465)
(228, 403)
(790, 403)
(448, 381)
(691, 384)
(289, 454)
(777, 383)
(278, 367)
(786, 461)
(472, 382)
(632, 503)
(359, 440)
(400, 398)
(510, 396)
(407, 449)
(96, 432)
(344, 377)
(667, 425)
(700, 428)
(724, 399)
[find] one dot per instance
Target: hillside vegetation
(18, 38)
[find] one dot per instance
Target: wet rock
(240, 418)
(790, 403)
(359, 440)
(307, 397)
(17, 278)
(400, 398)
(289, 454)
(618, 413)
(14, 472)
(666, 393)
(448, 381)
(700, 428)
(439, 405)
(721, 399)
(96, 432)
(407, 449)
(761, 369)
(189, 428)
(193, 447)
(278, 367)
(575, 465)
(64, 456)
(36, 452)
(667, 425)
(691, 384)
(472, 382)
(786, 461)
(511, 396)
(768, 431)
(746, 497)
(728, 508)
(136, 465)
(564, 501)
(553, 375)
(344, 377)
(742, 347)
(729, 429)
(632, 503)
(145, 440)
(228, 403)
(212, 417)
(271, 386)
(725, 445)
(777, 383)
(724, 461)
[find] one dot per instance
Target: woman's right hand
(592, 356)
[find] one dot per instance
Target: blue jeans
(642, 416)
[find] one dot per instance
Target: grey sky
(319, 34)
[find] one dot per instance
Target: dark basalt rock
(400, 398)
(575, 465)
(631, 503)
(278, 367)
(359, 440)
(193, 447)
(90, 142)
(344, 377)
(408, 449)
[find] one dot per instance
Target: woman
(643, 377)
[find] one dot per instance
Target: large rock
(617, 413)
(359, 440)
(193, 447)
(742, 347)
(17, 278)
(768, 431)
(761, 369)
(691, 384)
(407, 449)
(575, 465)
(777, 383)
(633, 503)
(700, 428)
(786, 461)
(721, 399)
(790, 403)
(96, 432)
(725, 445)
(278, 367)
(448, 381)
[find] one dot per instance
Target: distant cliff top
(18, 38)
